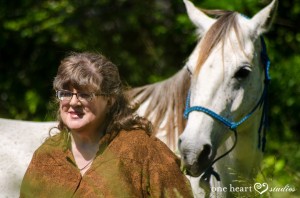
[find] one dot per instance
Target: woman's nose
(74, 100)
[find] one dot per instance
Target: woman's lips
(75, 114)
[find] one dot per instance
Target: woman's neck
(84, 149)
(86, 138)
(86, 144)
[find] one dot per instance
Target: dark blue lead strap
(265, 119)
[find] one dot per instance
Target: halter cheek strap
(230, 124)
(263, 102)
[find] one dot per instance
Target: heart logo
(261, 188)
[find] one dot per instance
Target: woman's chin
(75, 125)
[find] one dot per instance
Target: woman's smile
(75, 114)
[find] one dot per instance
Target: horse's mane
(216, 34)
(166, 102)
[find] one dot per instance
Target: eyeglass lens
(67, 96)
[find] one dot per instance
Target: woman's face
(81, 115)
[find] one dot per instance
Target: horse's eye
(242, 73)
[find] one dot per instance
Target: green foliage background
(149, 40)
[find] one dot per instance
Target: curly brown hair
(95, 73)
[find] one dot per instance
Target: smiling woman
(103, 148)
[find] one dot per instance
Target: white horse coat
(19, 139)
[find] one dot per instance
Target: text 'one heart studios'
(258, 187)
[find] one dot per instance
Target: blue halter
(263, 101)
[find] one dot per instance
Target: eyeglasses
(64, 95)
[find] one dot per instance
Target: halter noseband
(263, 101)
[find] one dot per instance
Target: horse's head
(227, 78)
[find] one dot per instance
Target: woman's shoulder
(53, 143)
(138, 144)
(138, 135)
(135, 138)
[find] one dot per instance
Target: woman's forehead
(81, 88)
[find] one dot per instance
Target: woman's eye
(242, 72)
(65, 94)
(85, 95)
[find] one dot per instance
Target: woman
(103, 149)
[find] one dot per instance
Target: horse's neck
(163, 104)
(240, 167)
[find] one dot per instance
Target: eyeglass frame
(92, 95)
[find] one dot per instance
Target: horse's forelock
(216, 34)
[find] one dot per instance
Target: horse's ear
(262, 21)
(199, 19)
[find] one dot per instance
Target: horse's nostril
(179, 142)
(183, 152)
(205, 153)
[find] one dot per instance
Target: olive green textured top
(131, 164)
